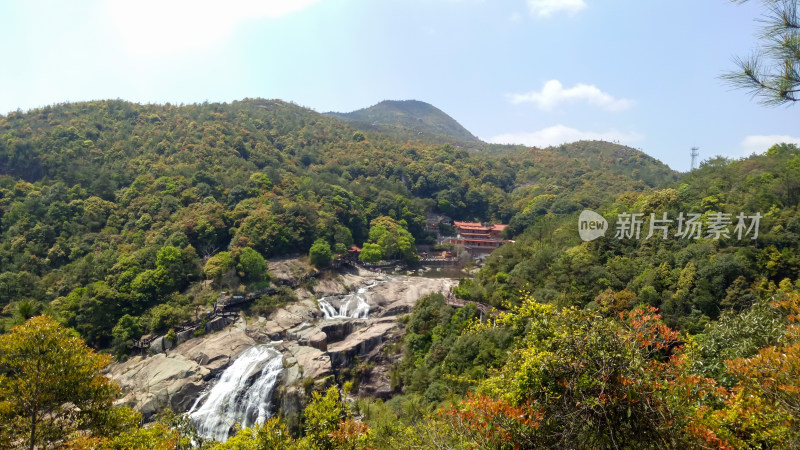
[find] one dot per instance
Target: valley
(250, 273)
(258, 367)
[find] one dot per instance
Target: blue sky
(538, 72)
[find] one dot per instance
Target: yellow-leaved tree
(51, 387)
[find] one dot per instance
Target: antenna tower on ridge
(695, 154)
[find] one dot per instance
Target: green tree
(322, 417)
(156, 437)
(252, 266)
(217, 265)
(773, 72)
(264, 233)
(343, 236)
(371, 253)
(260, 181)
(149, 285)
(739, 296)
(595, 380)
(271, 435)
(393, 238)
(320, 253)
(51, 385)
(125, 331)
(172, 260)
(168, 257)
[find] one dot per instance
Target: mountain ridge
(409, 119)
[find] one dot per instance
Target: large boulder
(152, 383)
(360, 342)
(312, 362)
(338, 329)
(326, 287)
(319, 341)
(276, 326)
(399, 296)
(378, 382)
(217, 350)
(290, 271)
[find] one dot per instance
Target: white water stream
(243, 392)
(352, 305)
(241, 395)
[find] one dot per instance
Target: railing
(219, 311)
(380, 265)
(143, 343)
(459, 303)
(439, 262)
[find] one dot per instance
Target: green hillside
(92, 193)
(119, 220)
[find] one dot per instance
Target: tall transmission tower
(695, 154)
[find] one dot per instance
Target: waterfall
(351, 305)
(241, 395)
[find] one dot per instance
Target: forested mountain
(92, 193)
(119, 219)
(410, 120)
(587, 174)
(692, 280)
(668, 341)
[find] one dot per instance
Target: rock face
(160, 381)
(290, 271)
(313, 347)
(400, 295)
(360, 342)
(176, 378)
(285, 319)
(312, 362)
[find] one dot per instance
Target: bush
(252, 266)
(320, 254)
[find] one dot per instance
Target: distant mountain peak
(408, 119)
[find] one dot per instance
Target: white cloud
(546, 9)
(554, 94)
(762, 143)
(560, 134)
(158, 27)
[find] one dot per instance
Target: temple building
(476, 237)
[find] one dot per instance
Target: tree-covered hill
(410, 120)
(691, 278)
(558, 181)
(119, 220)
(111, 209)
(627, 341)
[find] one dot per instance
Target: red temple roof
(468, 224)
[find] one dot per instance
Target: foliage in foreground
(773, 72)
(51, 388)
(573, 378)
(589, 379)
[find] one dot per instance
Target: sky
(534, 72)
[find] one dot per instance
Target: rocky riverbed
(314, 347)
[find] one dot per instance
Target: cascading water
(351, 305)
(241, 395)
